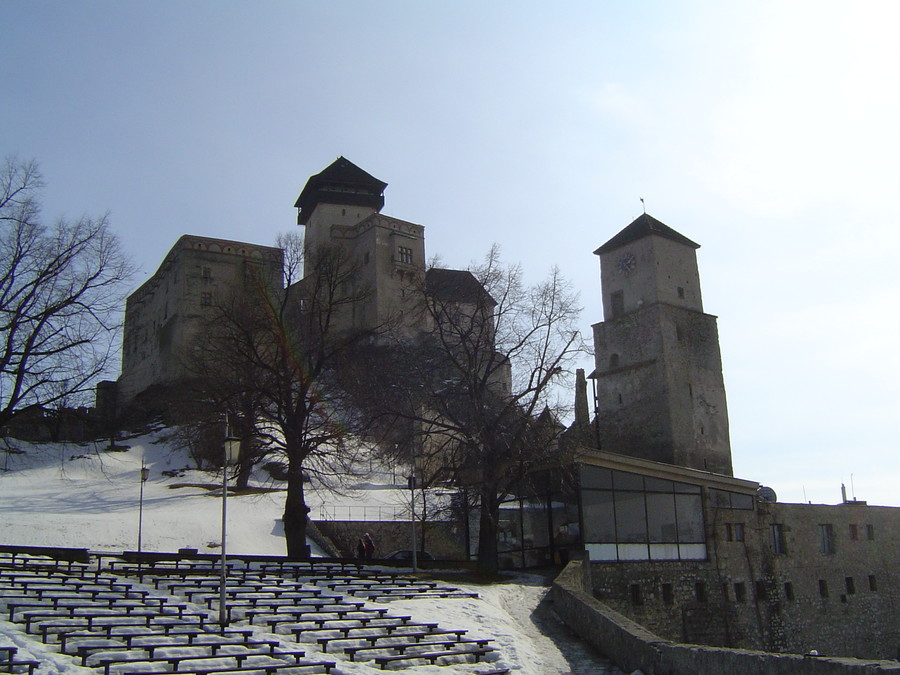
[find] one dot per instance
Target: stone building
(163, 316)
(338, 207)
(675, 541)
(660, 392)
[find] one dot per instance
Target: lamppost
(231, 448)
(411, 482)
(145, 474)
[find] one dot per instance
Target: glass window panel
(689, 511)
(602, 551)
(657, 485)
(720, 499)
(661, 523)
(687, 488)
(535, 523)
(631, 517)
(633, 552)
(538, 557)
(593, 477)
(664, 551)
(565, 523)
(599, 517)
(627, 481)
(741, 501)
(509, 528)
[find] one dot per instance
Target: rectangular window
(826, 539)
(740, 591)
(739, 532)
(779, 545)
(206, 275)
(700, 591)
(636, 598)
(668, 594)
(631, 517)
(788, 590)
(823, 588)
(617, 303)
(405, 255)
(850, 585)
(870, 532)
(873, 584)
(854, 531)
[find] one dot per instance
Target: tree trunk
(295, 514)
(245, 467)
(487, 534)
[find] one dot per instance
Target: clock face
(626, 264)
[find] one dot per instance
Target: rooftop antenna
(643, 205)
(852, 489)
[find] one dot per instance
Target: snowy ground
(82, 496)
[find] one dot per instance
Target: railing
(356, 512)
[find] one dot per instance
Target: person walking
(368, 546)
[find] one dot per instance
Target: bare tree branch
(61, 292)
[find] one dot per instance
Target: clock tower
(660, 390)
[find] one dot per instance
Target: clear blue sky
(767, 132)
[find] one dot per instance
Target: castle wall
(634, 647)
(773, 588)
(164, 315)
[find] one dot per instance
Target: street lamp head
(232, 450)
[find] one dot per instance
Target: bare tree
(482, 396)
(272, 357)
(61, 292)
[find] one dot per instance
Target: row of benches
(101, 619)
(274, 602)
(302, 599)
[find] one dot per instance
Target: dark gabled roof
(643, 226)
(456, 286)
(341, 182)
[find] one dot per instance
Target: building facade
(675, 541)
(164, 315)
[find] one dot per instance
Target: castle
(675, 541)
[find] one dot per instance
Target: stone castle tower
(658, 369)
(341, 205)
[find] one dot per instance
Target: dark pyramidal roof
(456, 286)
(643, 226)
(341, 182)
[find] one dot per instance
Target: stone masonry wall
(633, 647)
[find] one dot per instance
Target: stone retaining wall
(632, 647)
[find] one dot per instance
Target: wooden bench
(315, 616)
(8, 664)
(389, 631)
(304, 607)
(383, 661)
(176, 661)
(69, 555)
(351, 651)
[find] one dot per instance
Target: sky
(767, 132)
(77, 496)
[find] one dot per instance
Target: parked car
(408, 554)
